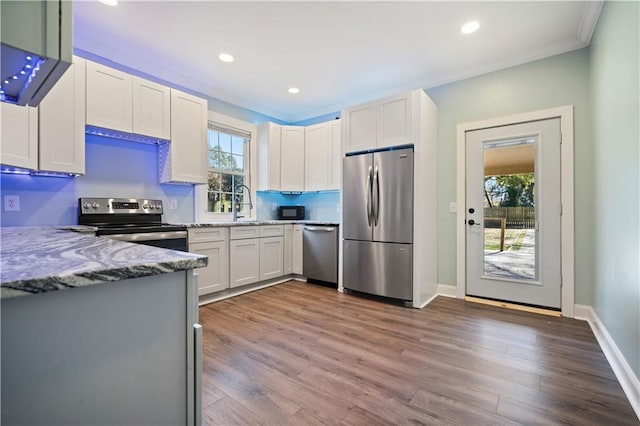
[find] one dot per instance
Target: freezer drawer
(383, 269)
(320, 253)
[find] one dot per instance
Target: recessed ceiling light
(470, 27)
(293, 90)
(225, 57)
(109, 2)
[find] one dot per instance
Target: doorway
(515, 209)
(513, 213)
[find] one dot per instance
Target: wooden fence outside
(516, 217)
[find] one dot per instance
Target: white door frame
(565, 113)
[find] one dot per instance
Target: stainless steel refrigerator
(378, 223)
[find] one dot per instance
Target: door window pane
(509, 210)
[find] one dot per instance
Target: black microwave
(291, 212)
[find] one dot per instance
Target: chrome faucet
(234, 205)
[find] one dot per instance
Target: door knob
(472, 222)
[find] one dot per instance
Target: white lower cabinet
(242, 255)
(244, 262)
(287, 258)
(214, 243)
(215, 277)
(297, 249)
(255, 259)
(271, 253)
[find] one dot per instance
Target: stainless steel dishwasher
(320, 253)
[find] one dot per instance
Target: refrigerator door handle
(369, 190)
(376, 197)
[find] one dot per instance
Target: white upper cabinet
(269, 150)
(292, 159)
(359, 127)
(383, 123)
(109, 98)
(184, 159)
(61, 123)
(50, 137)
(395, 120)
(322, 151)
(151, 109)
(19, 136)
(298, 158)
(317, 157)
(336, 154)
(120, 101)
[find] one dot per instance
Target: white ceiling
(337, 53)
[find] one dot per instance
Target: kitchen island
(96, 331)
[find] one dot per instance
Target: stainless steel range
(132, 219)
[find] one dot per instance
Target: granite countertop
(42, 259)
(258, 222)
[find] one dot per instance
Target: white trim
(232, 292)
(200, 192)
(566, 189)
(621, 368)
(583, 312)
(590, 15)
(447, 290)
(428, 301)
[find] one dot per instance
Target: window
(229, 162)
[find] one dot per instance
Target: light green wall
(548, 83)
(614, 58)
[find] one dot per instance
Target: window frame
(201, 190)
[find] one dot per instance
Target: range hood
(36, 48)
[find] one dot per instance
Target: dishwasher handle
(320, 228)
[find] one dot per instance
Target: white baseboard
(428, 301)
(583, 312)
(447, 290)
(621, 368)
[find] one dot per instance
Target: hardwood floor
(301, 354)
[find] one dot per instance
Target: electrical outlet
(274, 206)
(11, 203)
(173, 204)
(453, 207)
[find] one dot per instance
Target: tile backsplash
(319, 205)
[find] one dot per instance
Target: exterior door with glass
(513, 213)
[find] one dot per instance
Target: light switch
(173, 204)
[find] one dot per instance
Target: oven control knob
(95, 205)
(152, 206)
(86, 205)
(145, 206)
(158, 206)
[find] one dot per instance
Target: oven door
(173, 240)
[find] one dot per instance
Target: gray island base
(117, 354)
(98, 332)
